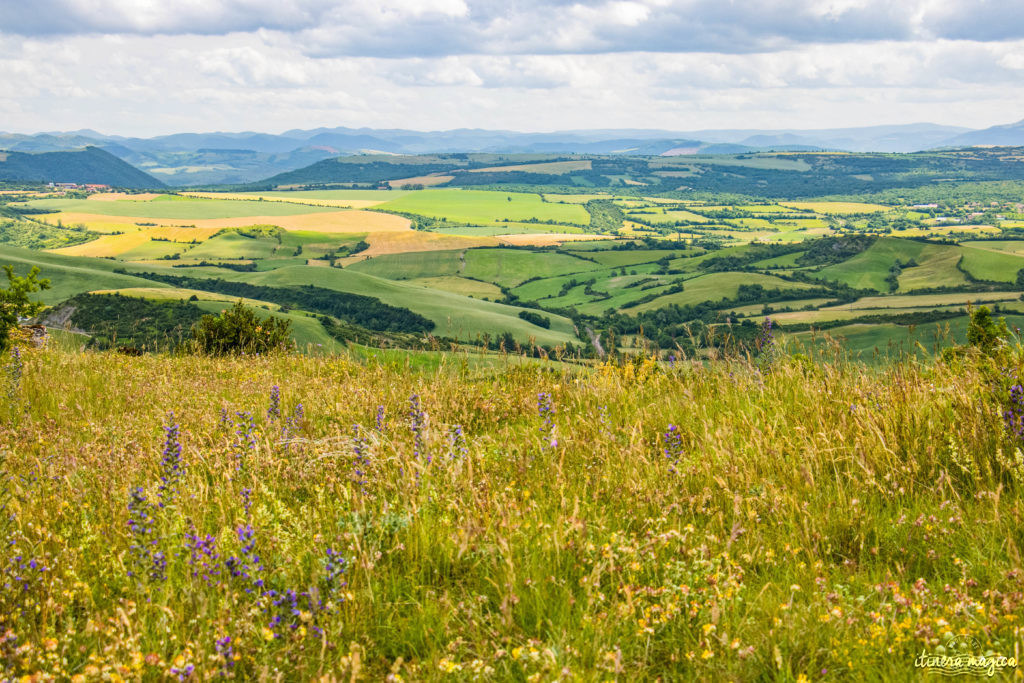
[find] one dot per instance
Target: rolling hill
(90, 165)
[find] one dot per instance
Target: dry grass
(410, 240)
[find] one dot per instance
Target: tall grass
(819, 521)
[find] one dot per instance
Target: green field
(937, 263)
(455, 316)
(992, 265)
(412, 265)
(869, 269)
(716, 286)
(69, 275)
(476, 207)
(510, 267)
(233, 245)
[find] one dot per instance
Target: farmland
(621, 269)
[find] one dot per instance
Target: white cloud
(146, 66)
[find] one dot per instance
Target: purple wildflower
(673, 443)
(382, 425)
(1013, 416)
(148, 561)
(417, 421)
(226, 652)
(274, 411)
(171, 468)
(457, 442)
(203, 558)
(247, 567)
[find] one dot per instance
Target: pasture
(476, 207)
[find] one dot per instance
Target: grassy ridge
(818, 521)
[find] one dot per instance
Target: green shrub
(239, 330)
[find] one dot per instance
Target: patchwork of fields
(478, 263)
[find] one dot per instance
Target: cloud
(432, 28)
(148, 66)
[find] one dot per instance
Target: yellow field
(339, 203)
(550, 167)
(93, 222)
(108, 245)
(944, 229)
(166, 293)
(547, 239)
(424, 180)
(333, 222)
(120, 196)
(413, 240)
(837, 208)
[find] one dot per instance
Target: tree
(1020, 277)
(15, 304)
(239, 330)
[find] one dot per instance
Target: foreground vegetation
(429, 516)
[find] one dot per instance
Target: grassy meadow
(400, 516)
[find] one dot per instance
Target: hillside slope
(90, 165)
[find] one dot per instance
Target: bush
(536, 319)
(239, 330)
(984, 332)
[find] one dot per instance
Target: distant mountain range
(196, 159)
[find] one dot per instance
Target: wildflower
(457, 442)
(203, 556)
(274, 410)
(673, 447)
(334, 567)
(417, 421)
(171, 469)
(226, 652)
(382, 425)
(248, 567)
(149, 562)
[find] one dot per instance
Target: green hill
(90, 165)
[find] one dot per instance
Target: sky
(151, 67)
